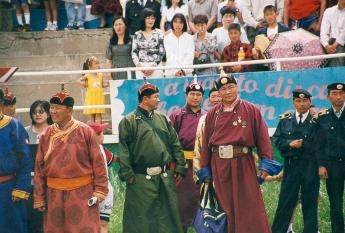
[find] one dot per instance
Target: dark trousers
(335, 190)
(300, 175)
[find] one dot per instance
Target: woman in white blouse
(173, 7)
(179, 46)
(147, 46)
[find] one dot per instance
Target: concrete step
(57, 43)
(49, 63)
(49, 51)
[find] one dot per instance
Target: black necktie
(300, 119)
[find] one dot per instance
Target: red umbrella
(296, 43)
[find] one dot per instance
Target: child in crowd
(273, 27)
(236, 51)
(94, 84)
(76, 15)
(222, 34)
(106, 206)
(51, 15)
(21, 7)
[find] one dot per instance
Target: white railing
(277, 61)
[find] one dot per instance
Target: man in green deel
(147, 145)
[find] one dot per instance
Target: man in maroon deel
(232, 129)
(185, 122)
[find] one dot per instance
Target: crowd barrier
(269, 90)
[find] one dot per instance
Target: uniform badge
(339, 86)
(301, 95)
(234, 123)
(224, 81)
(244, 124)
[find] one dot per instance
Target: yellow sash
(188, 154)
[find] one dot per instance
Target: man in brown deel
(70, 176)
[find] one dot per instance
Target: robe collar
(232, 107)
(187, 110)
(144, 112)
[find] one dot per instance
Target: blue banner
(270, 91)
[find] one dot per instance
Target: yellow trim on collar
(5, 121)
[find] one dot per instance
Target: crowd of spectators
(204, 31)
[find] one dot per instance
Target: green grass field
(270, 193)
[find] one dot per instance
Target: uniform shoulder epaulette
(285, 116)
(313, 120)
(323, 112)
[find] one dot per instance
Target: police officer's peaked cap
(336, 86)
(300, 94)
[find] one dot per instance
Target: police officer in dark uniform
(134, 9)
(330, 142)
(294, 138)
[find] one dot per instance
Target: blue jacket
(281, 28)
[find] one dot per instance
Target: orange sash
(68, 183)
(5, 178)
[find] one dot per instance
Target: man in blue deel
(15, 166)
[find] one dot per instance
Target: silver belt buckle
(153, 171)
(226, 152)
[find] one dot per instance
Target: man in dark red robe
(232, 129)
(185, 122)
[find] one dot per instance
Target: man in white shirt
(253, 14)
(332, 33)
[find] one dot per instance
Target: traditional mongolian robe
(185, 122)
(197, 146)
(235, 178)
(16, 163)
(69, 170)
(148, 140)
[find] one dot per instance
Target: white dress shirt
(253, 10)
(304, 116)
(338, 114)
(179, 52)
(169, 13)
(333, 26)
